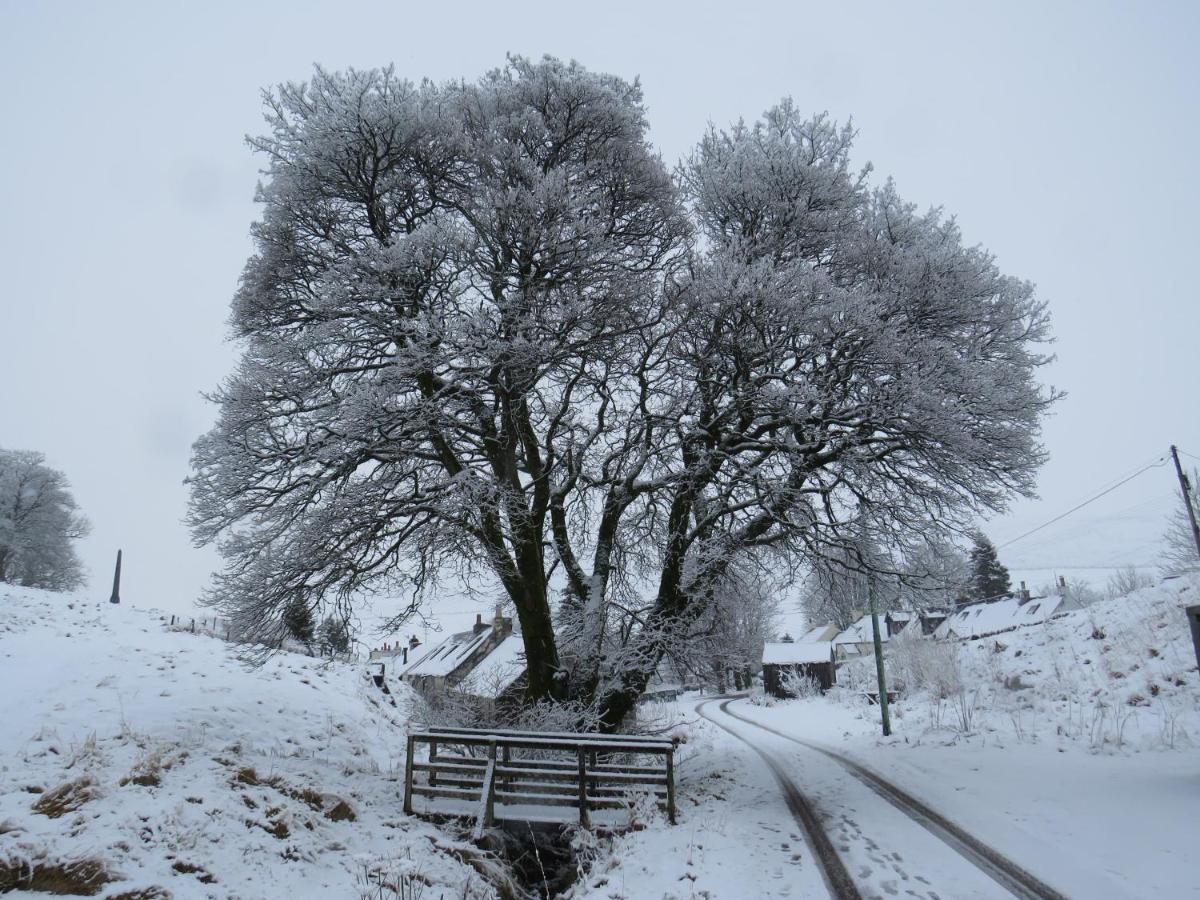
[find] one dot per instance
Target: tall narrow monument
(116, 594)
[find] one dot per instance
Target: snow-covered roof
(787, 653)
(442, 659)
(999, 615)
(860, 633)
(498, 670)
(818, 633)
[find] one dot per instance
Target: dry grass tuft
(247, 775)
(202, 874)
(331, 806)
(66, 798)
(149, 769)
(341, 812)
(315, 800)
(81, 877)
(279, 829)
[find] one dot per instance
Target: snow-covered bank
(166, 760)
(1071, 747)
(1117, 677)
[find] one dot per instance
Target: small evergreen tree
(334, 636)
(989, 578)
(298, 621)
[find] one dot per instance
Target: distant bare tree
(728, 638)
(935, 573)
(1125, 581)
(1179, 550)
(841, 584)
(39, 522)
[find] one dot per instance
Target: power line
(1160, 461)
(1185, 453)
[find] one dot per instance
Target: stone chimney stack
(479, 626)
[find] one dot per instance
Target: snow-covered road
(886, 852)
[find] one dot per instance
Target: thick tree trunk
(618, 702)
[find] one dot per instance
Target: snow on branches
(486, 331)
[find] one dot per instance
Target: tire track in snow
(1012, 877)
(837, 879)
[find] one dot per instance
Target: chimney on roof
(479, 626)
(1024, 591)
(501, 623)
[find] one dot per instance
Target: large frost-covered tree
(486, 330)
(39, 522)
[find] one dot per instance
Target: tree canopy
(486, 331)
(39, 522)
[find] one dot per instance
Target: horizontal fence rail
(504, 774)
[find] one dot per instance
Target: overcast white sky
(1062, 136)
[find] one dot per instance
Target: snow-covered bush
(919, 663)
(797, 684)
(1125, 581)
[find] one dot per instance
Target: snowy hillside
(1070, 746)
(137, 759)
(1119, 675)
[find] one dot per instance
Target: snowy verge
(134, 758)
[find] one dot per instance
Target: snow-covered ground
(1071, 748)
(1079, 760)
(171, 764)
(734, 839)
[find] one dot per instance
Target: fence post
(583, 803)
(489, 814)
(408, 776)
(671, 786)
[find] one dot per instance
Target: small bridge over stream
(499, 775)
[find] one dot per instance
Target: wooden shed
(807, 659)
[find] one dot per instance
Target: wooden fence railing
(498, 775)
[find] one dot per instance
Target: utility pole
(883, 697)
(1186, 487)
(116, 594)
